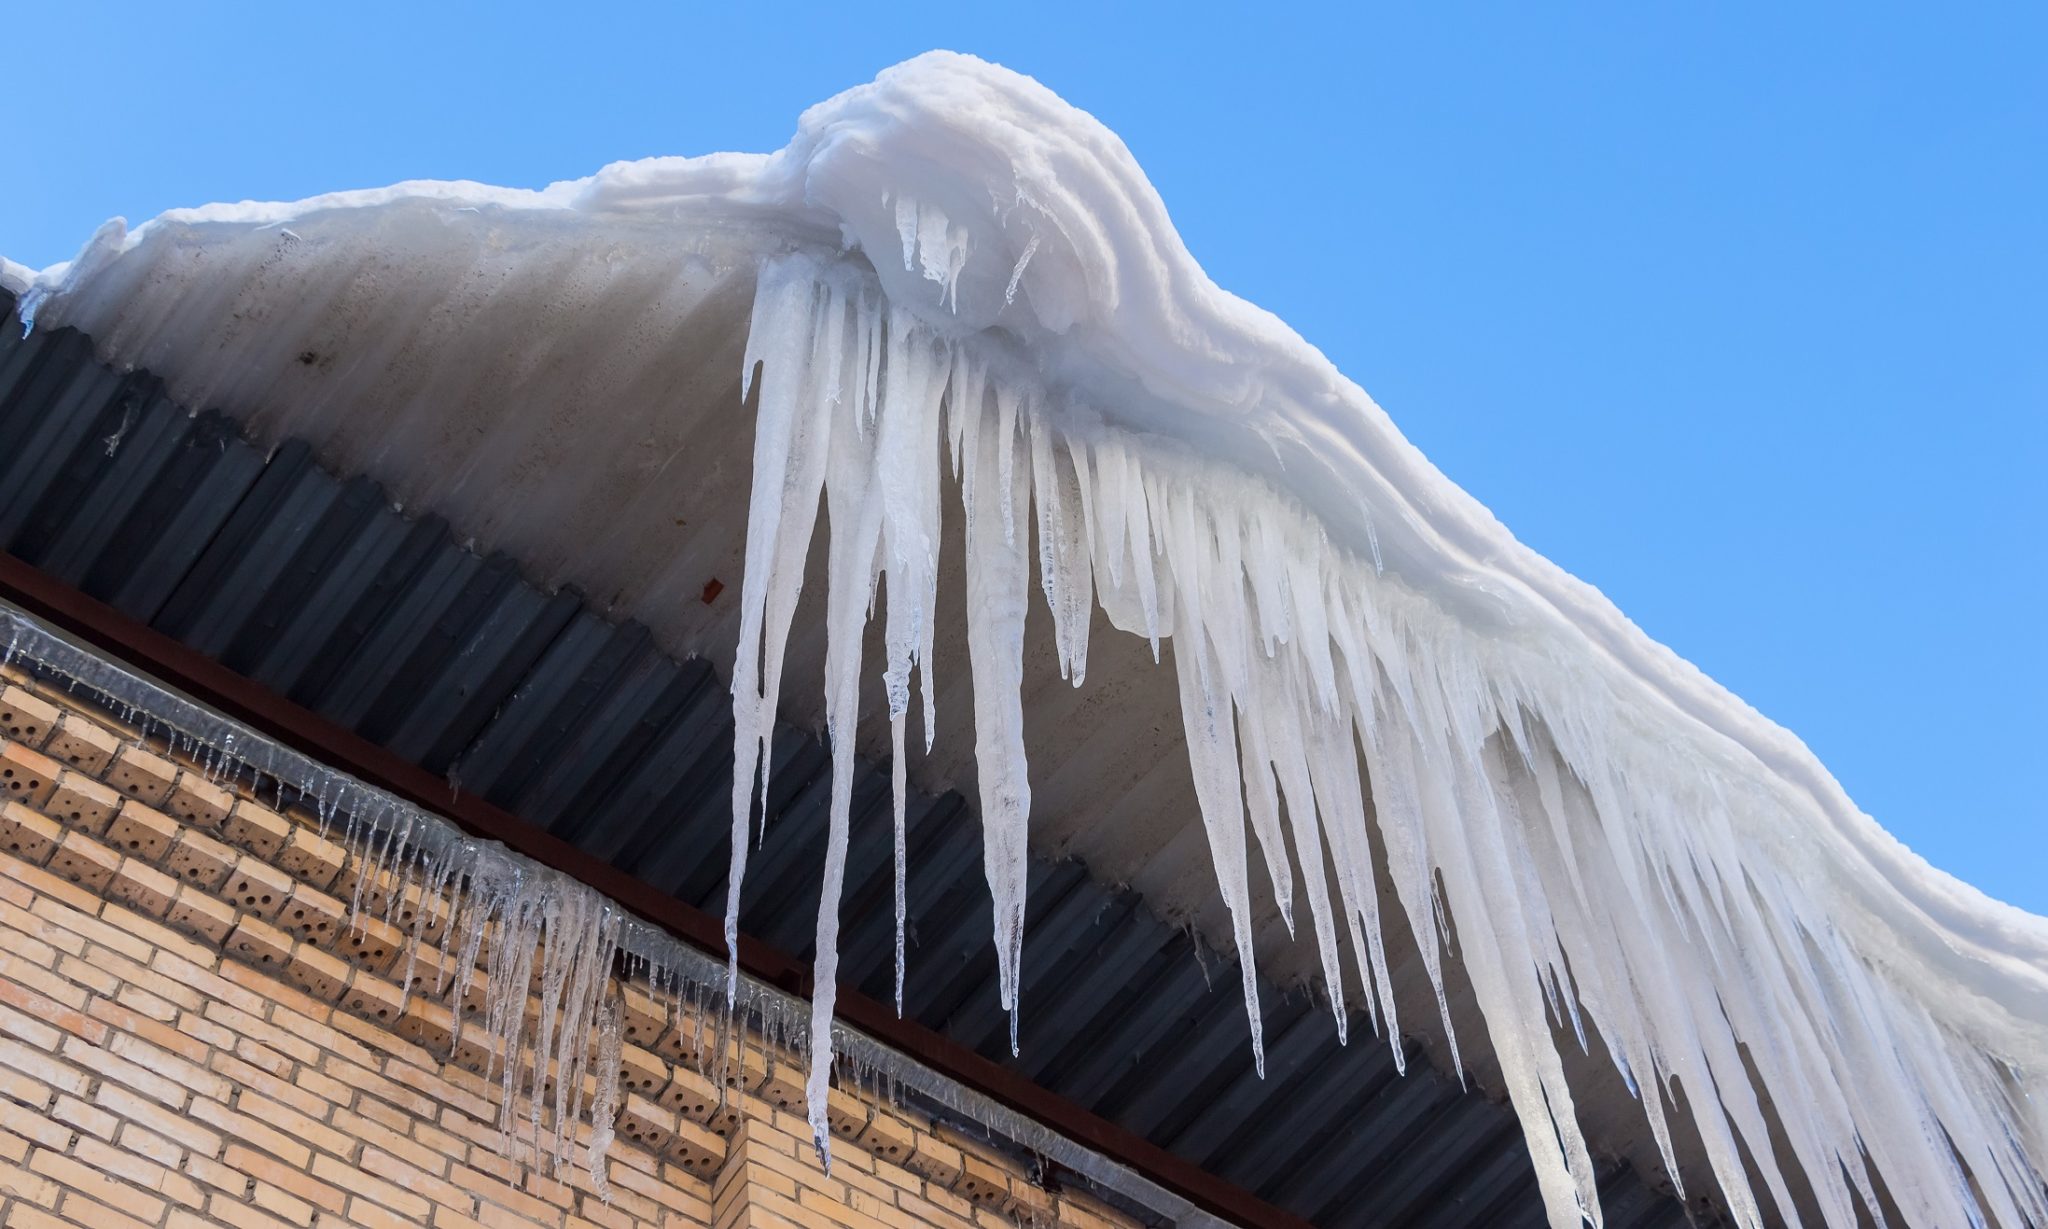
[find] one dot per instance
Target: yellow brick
(371, 996)
(310, 858)
(314, 916)
(276, 1174)
(26, 775)
(200, 860)
(198, 803)
(25, 717)
(253, 1131)
(28, 834)
(372, 944)
(21, 1184)
(154, 934)
(142, 887)
(239, 1215)
(82, 744)
(81, 802)
(388, 1195)
(286, 1003)
(255, 828)
(141, 831)
(646, 1124)
(317, 973)
(44, 883)
(641, 1072)
(890, 1138)
(142, 775)
(497, 1194)
(258, 889)
(179, 1128)
(80, 860)
(696, 1148)
(428, 1023)
(83, 1180)
(260, 944)
(643, 1015)
(257, 1076)
(169, 1065)
(87, 1211)
(201, 915)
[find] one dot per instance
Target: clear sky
(1736, 311)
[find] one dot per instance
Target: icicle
(604, 1106)
(855, 511)
(998, 581)
(900, 861)
(789, 462)
(1593, 873)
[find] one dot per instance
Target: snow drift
(956, 271)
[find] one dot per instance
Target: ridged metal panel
(315, 586)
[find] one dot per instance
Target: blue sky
(1735, 312)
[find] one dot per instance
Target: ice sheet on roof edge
(953, 261)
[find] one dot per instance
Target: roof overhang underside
(512, 566)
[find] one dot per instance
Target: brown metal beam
(175, 663)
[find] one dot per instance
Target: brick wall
(191, 1034)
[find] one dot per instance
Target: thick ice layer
(955, 269)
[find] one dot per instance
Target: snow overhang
(953, 260)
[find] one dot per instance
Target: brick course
(192, 1035)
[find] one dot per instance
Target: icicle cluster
(1595, 862)
(545, 955)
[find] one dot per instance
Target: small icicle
(604, 1105)
(901, 859)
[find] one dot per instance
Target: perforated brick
(258, 889)
(846, 1114)
(644, 1123)
(318, 973)
(142, 775)
(376, 887)
(142, 887)
(200, 860)
(371, 943)
(202, 915)
(427, 1023)
(81, 802)
(25, 717)
(643, 1016)
(371, 997)
(641, 1072)
(696, 1098)
(256, 942)
(310, 858)
(81, 860)
(81, 744)
(27, 834)
(255, 828)
(695, 1148)
(141, 831)
(314, 916)
(26, 775)
(199, 802)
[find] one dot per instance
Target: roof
(317, 588)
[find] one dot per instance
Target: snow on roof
(954, 267)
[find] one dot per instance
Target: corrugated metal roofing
(315, 586)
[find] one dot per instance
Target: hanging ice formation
(1603, 856)
(952, 269)
(530, 962)
(1594, 866)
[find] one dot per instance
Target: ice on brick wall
(957, 272)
